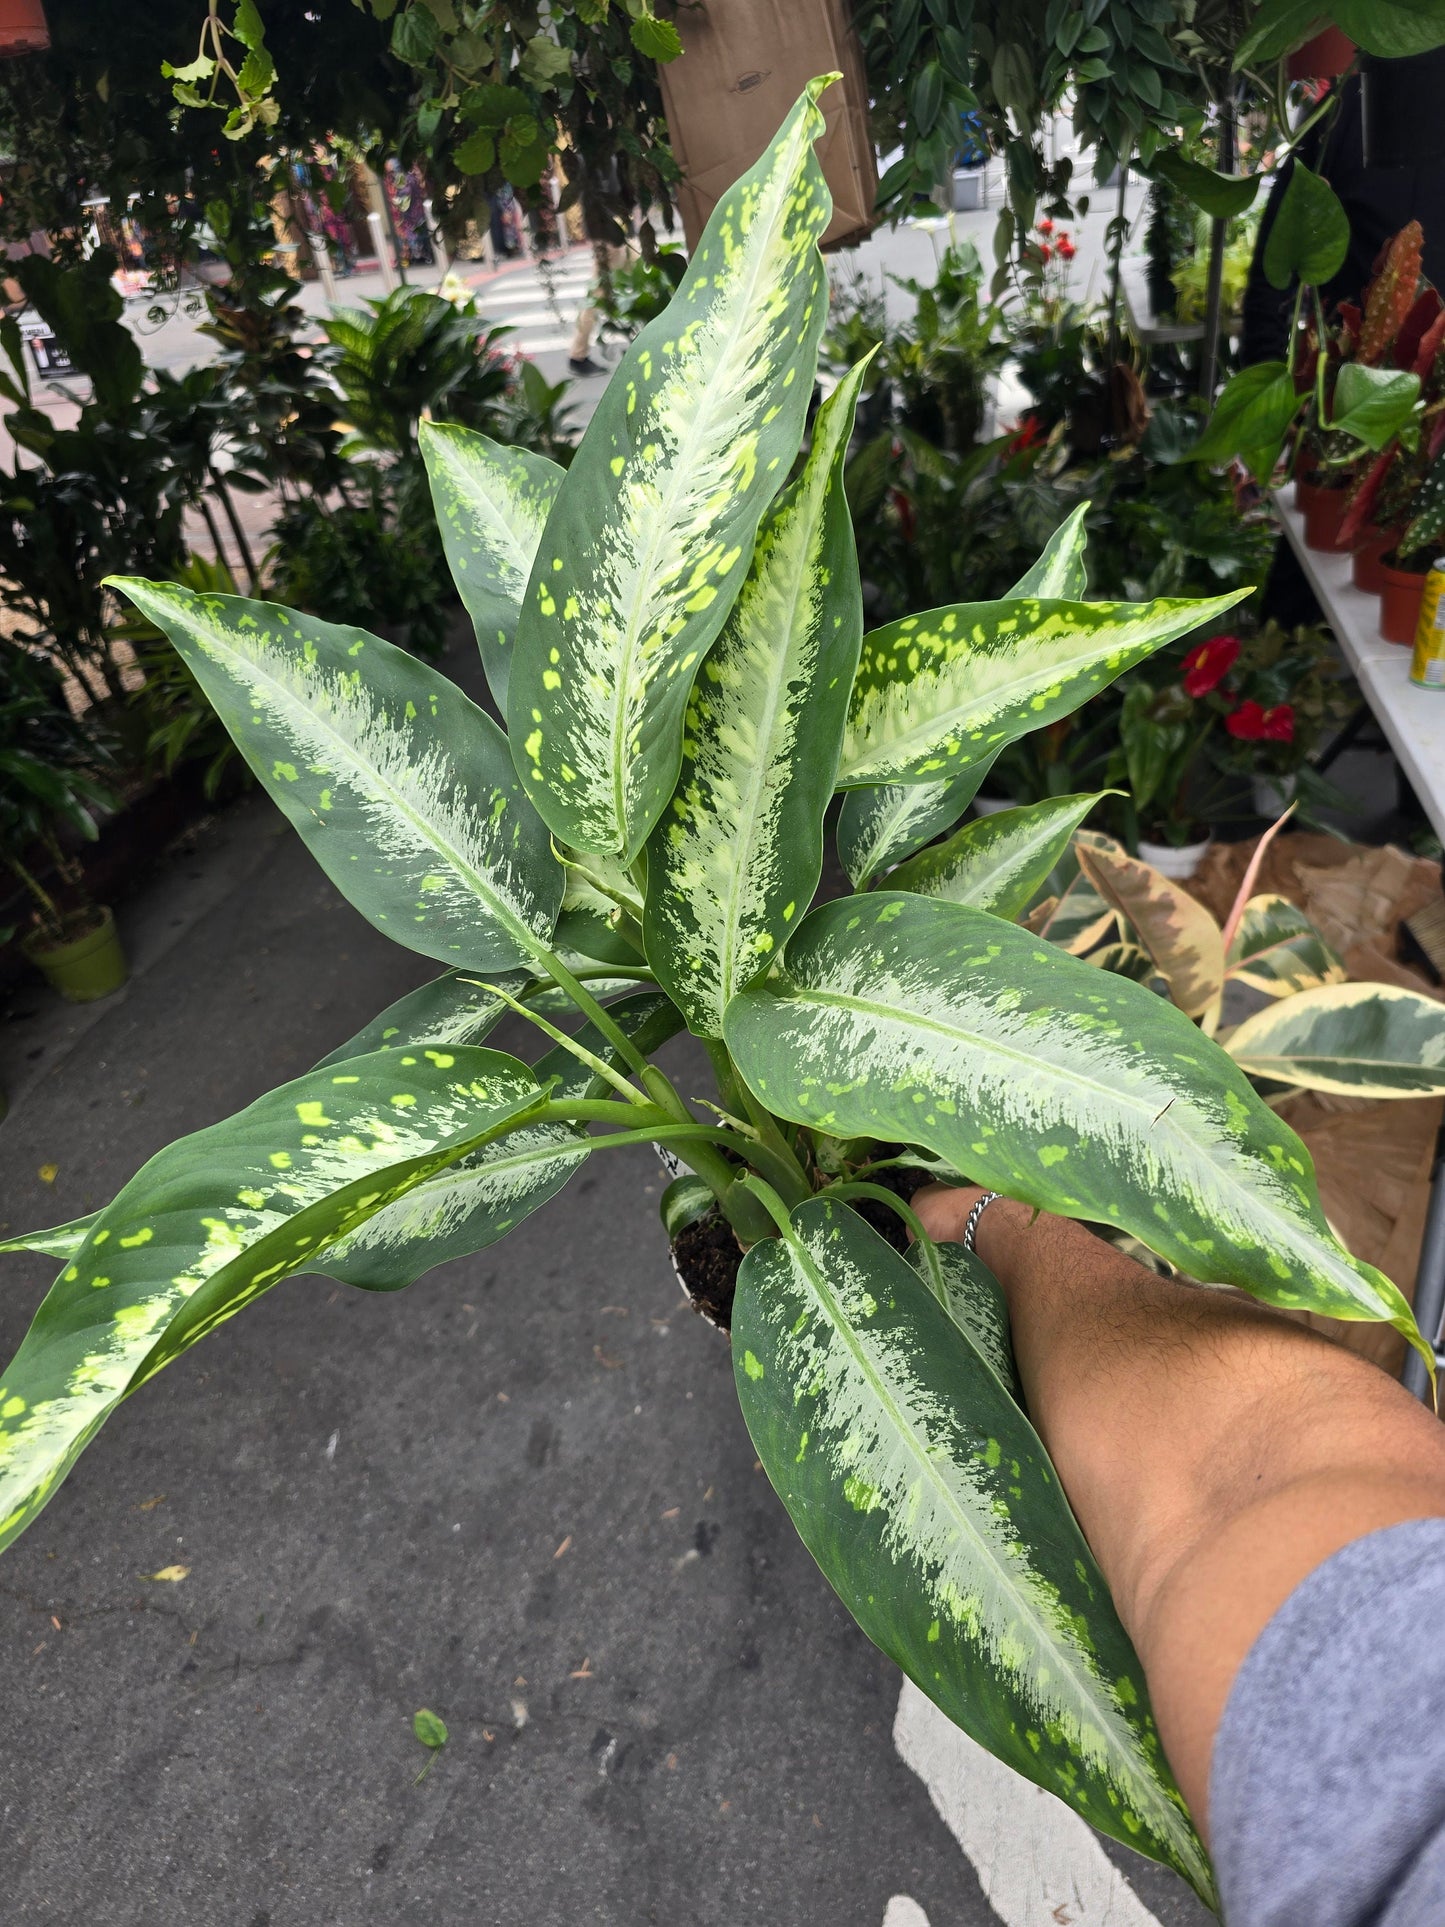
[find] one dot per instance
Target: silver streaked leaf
(998, 862)
(1059, 574)
(886, 822)
(935, 1024)
(402, 789)
(929, 1502)
(492, 502)
(977, 1306)
(649, 539)
(736, 857)
(456, 1008)
(59, 1241)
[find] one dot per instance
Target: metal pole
(1430, 1277)
(1209, 357)
(383, 251)
(321, 255)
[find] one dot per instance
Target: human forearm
(1214, 1452)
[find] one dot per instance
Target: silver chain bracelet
(970, 1228)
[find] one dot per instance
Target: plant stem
(599, 1064)
(770, 1200)
(854, 1188)
(737, 1097)
(41, 895)
(589, 1006)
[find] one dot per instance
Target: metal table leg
(1430, 1279)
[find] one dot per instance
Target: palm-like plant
(674, 631)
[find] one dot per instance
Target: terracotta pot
(22, 27)
(1368, 572)
(1400, 601)
(1322, 58)
(1324, 510)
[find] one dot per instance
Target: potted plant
(1280, 696)
(48, 786)
(678, 648)
(1163, 730)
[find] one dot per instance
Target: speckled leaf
(998, 862)
(1174, 927)
(491, 502)
(1277, 949)
(59, 1241)
(977, 1306)
(929, 1501)
(483, 1196)
(401, 787)
(1059, 574)
(1363, 1040)
(648, 542)
(455, 1008)
(938, 691)
(931, 1023)
(736, 857)
(882, 824)
(216, 1219)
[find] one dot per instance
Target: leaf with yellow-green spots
(917, 1021)
(59, 1241)
(649, 539)
(939, 691)
(1059, 574)
(1001, 861)
(976, 1304)
(486, 1194)
(491, 503)
(216, 1219)
(928, 1499)
(458, 1007)
(883, 823)
(736, 857)
(402, 789)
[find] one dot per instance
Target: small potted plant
(1280, 696)
(1163, 730)
(48, 786)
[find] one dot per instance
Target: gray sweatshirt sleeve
(1327, 1789)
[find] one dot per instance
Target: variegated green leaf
(1077, 920)
(1059, 574)
(738, 852)
(932, 1023)
(216, 1219)
(456, 1008)
(483, 1196)
(1174, 927)
(882, 824)
(977, 1306)
(401, 787)
(1277, 949)
(925, 1495)
(1364, 1040)
(938, 691)
(650, 536)
(59, 1241)
(998, 862)
(491, 502)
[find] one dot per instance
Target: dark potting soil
(707, 1253)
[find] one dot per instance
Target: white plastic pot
(1272, 795)
(1176, 861)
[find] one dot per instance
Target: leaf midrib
(958, 1510)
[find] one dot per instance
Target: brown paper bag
(743, 64)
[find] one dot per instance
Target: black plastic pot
(1400, 109)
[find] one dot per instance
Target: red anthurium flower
(1208, 663)
(1026, 435)
(1252, 723)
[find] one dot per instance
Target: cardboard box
(744, 63)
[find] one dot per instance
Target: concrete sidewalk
(520, 1494)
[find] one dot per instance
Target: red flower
(1025, 435)
(1066, 248)
(1046, 226)
(1046, 251)
(1208, 663)
(1252, 723)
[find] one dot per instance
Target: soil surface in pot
(707, 1256)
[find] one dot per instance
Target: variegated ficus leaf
(1277, 950)
(216, 1219)
(402, 789)
(738, 852)
(649, 539)
(932, 1023)
(484, 1195)
(1363, 1040)
(976, 1304)
(999, 862)
(1175, 928)
(925, 1495)
(883, 823)
(491, 501)
(939, 691)
(1075, 921)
